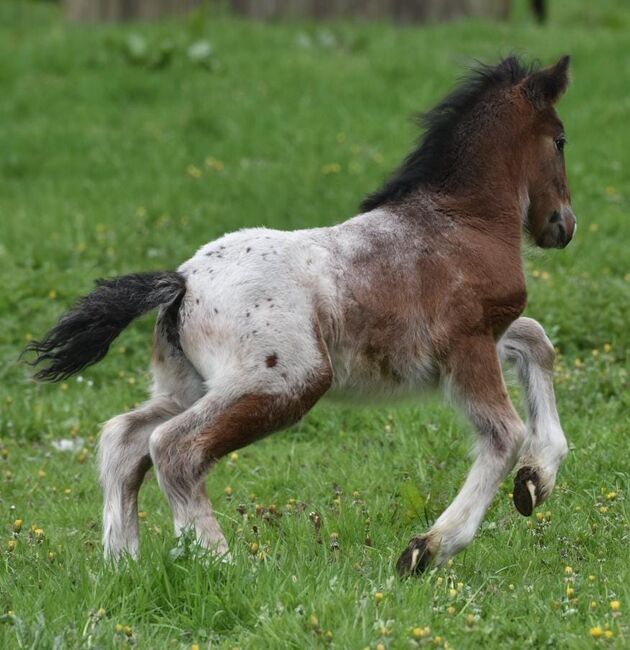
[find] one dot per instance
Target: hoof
(526, 490)
(415, 559)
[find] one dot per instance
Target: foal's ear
(545, 87)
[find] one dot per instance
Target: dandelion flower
(615, 605)
(17, 525)
(378, 597)
(596, 632)
(419, 632)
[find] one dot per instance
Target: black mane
(431, 161)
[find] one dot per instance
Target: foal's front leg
(473, 373)
(526, 345)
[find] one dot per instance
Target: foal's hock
(424, 288)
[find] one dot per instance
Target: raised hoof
(526, 490)
(415, 559)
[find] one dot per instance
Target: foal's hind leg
(526, 345)
(124, 443)
(474, 374)
(184, 448)
(124, 461)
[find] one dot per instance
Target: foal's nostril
(555, 217)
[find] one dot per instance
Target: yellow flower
(253, 547)
(593, 604)
(234, 456)
(596, 632)
(568, 570)
(11, 544)
(213, 163)
(608, 634)
(452, 593)
(52, 556)
(378, 597)
(380, 646)
(194, 646)
(607, 348)
(101, 613)
(615, 605)
(17, 525)
(228, 490)
(194, 171)
(52, 294)
(470, 619)
(118, 628)
(591, 578)
(142, 514)
(331, 168)
(313, 620)
(611, 496)
(451, 610)
(570, 592)
(39, 533)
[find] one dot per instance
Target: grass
(119, 152)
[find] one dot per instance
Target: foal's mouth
(559, 230)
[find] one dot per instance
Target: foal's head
(497, 133)
(549, 220)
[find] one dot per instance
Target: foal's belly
(365, 378)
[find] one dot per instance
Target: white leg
(124, 461)
(526, 345)
(475, 378)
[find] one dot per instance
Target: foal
(424, 288)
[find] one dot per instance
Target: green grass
(99, 152)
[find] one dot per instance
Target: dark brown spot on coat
(271, 360)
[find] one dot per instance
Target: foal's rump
(249, 318)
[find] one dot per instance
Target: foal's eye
(560, 142)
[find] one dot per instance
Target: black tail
(83, 335)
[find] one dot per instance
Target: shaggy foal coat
(424, 288)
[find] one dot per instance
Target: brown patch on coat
(272, 360)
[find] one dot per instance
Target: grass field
(122, 149)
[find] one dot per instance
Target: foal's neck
(490, 196)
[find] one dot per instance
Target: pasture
(124, 149)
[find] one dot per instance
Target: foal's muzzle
(559, 230)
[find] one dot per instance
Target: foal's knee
(526, 341)
(177, 467)
(111, 444)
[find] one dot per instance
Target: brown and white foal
(424, 288)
